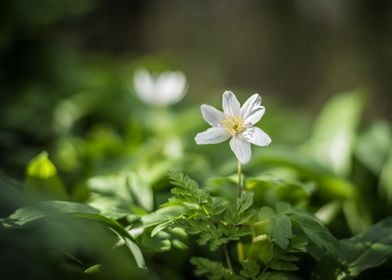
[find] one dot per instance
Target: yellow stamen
(233, 124)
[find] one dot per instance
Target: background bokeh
(66, 72)
(298, 53)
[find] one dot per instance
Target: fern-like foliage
(271, 241)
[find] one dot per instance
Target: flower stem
(228, 260)
(239, 179)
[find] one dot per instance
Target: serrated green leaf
(250, 268)
(244, 202)
(297, 244)
(280, 230)
(213, 270)
(277, 227)
(314, 230)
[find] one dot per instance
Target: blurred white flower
(165, 89)
(235, 122)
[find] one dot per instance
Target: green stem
(228, 259)
(239, 179)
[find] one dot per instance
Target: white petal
(170, 87)
(256, 136)
(241, 149)
(230, 104)
(253, 102)
(254, 115)
(213, 135)
(144, 86)
(211, 115)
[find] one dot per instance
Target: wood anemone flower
(235, 122)
(165, 89)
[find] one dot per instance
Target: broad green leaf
(53, 209)
(357, 214)
(277, 227)
(269, 188)
(119, 195)
(42, 179)
(385, 185)
(313, 230)
(22, 217)
(368, 249)
(141, 191)
(26, 215)
(281, 230)
(329, 185)
(373, 146)
(162, 215)
(334, 133)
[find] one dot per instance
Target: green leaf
(141, 191)
(93, 269)
(42, 179)
(314, 230)
(385, 185)
(272, 186)
(213, 270)
(368, 249)
(264, 250)
(187, 190)
(329, 185)
(275, 276)
(244, 202)
(334, 134)
(373, 146)
(250, 268)
(281, 230)
(282, 265)
(277, 227)
(25, 216)
(163, 215)
(52, 209)
(118, 195)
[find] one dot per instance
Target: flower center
(233, 124)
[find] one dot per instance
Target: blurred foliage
(91, 197)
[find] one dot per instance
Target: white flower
(165, 89)
(235, 122)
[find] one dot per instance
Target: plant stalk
(239, 179)
(228, 259)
